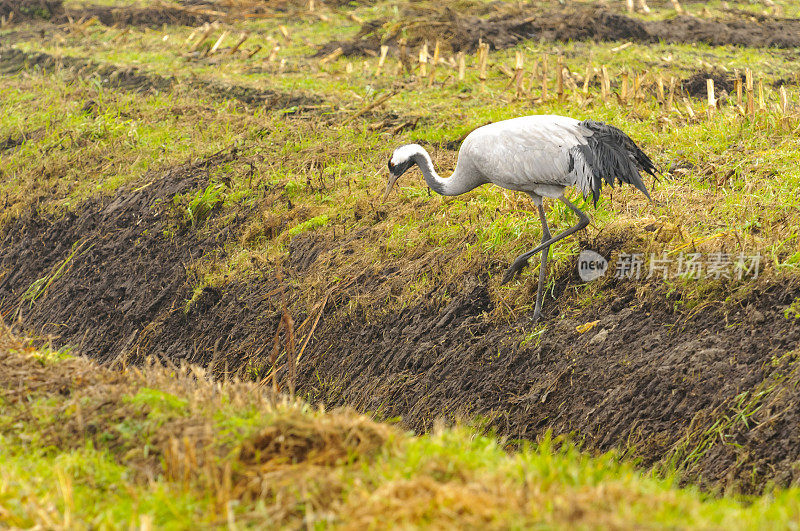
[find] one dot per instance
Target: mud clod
(303, 251)
(208, 298)
(696, 86)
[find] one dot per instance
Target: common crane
(540, 155)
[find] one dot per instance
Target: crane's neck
(461, 181)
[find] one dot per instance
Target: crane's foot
(519, 264)
(537, 316)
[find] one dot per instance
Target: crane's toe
(519, 264)
(508, 277)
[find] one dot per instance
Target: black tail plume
(614, 157)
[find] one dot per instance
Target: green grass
(151, 424)
(86, 140)
(86, 488)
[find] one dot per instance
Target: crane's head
(402, 159)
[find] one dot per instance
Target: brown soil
(124, 263)
(654, 385)
(697, 87)
(459, 32)
(14, 140)
(739, 31)
(152, 17)
(22, 10)
(640, 388)
(191, 13)
(133, 79)
(271, 6)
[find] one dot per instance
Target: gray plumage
(540, 155)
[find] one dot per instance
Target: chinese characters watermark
(716, 265)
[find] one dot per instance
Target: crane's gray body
(544, 154)
(529, 154)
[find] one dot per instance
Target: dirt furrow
(463, 32)
(133, 79)
(647, 378)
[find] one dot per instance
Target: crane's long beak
(392, 179)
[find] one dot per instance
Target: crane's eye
(391, 165)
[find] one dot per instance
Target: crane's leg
(537, 312)
(522, 260)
